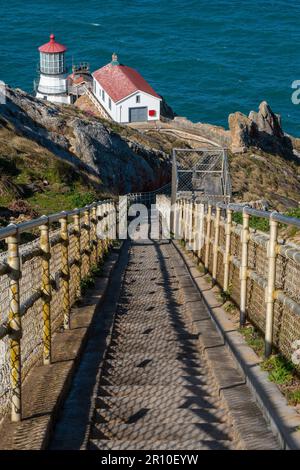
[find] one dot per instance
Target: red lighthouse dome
(52, 47)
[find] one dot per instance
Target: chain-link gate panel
(202, 173)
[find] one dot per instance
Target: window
(138, 98)
(52, 64)
(109, 103)
(103, 95)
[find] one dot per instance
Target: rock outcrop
(242, 132)
(166, 111)
(260, 129)
(88, 143)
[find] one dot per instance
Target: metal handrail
(96, 240)
(192, 215)
(13, 229)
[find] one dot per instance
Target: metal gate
(202, 174)
(138, 114)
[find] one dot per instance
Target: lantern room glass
(52, 64)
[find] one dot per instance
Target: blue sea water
(207, 58)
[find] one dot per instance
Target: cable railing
(40, 281)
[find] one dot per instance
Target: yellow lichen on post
(46, 291)
(99, 232)
(87, 228)
(94, 237)
(65, 271)
(14, 318)
(77, 233)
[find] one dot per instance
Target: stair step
(173, 431)
(188, 401)
(166, 322)
(186, 360)
(134, 375)
(162, 347)
(154, 379)
(145, 366)
(134, 391)
(150, 415)
(186, 444)
(151, 334)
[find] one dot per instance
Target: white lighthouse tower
(53, 84)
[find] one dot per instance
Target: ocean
(207, 59)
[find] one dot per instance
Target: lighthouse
(53, 83)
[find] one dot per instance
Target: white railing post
(244, 268)
(228, 229)
(216, 245)
(271, 284)
(207, 238)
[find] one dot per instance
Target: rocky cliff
(119, 163)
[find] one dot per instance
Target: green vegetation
(254, 339)
(259, 175)
(52, 201)
(256, 223)
(89, 281)
(229, 306)
(34, 176)
(294, 397)
(280, 370)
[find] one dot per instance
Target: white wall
(97, 89)
(55, 84)
(146, 100)
(120, 111)
(53, 88)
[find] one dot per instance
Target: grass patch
(293, 398)
(257, 223)
(254, 339)
(52, 201)
(281, 371)
(96, 271)
(229, 307)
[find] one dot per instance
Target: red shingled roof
(120, 81)
(52, 47)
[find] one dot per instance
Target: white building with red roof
(125, 94)
(53, 83)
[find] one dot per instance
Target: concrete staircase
(155, 391)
